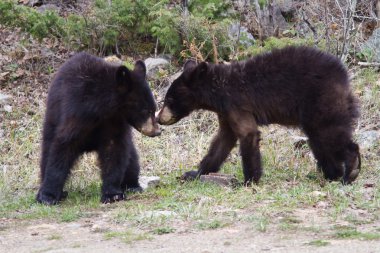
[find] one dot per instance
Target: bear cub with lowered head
(91, 106)
(294, 86)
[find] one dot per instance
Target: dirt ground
(88, 235)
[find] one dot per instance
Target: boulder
(154, 64)
(369, 139)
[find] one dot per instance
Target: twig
(155, 49)
(369, 64)
(311, 28)
(214, 48)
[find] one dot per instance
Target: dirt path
(87, 235)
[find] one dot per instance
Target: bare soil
(88, 235)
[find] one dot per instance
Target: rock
(7, 108)
(318, 194)
(369, 139)
(299, 141)
(155, 214)
(99, 228)
(220, 179)
(322, 205)
(148, 182)
(245, 39)
(370, 49)
(154, 64)
(49, 7)
(286, 6)
(4, 99)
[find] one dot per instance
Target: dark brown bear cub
(90, 107)
(295, 86)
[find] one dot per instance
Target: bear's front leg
(245, 127)
(251, 157)
(220, 147)
(113, 163)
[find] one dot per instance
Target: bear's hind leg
(131, 175)
(113, 162)
(47, 139)
(62, 156)
(219, 149)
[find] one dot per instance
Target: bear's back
(305, 63)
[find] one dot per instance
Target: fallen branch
(369, 64)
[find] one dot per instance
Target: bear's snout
(165, 116)
(150, 128)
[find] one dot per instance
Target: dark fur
(301, 87)
(90, 107)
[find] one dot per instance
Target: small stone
(155, 214)
(322, 205)
(7, 108)
(4, 99)
(97, 228)
(149, 182)
(318, 194)
(74, 225)
(299, 141)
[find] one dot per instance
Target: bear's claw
(111, 198)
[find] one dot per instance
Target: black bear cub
(90, 107)
(294, 86)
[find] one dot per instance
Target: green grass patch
(214, 224)
(54, 237)
(163, 230)
(318, 243)
(352, 233)
(127, 236)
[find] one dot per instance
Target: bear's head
(140, 106)
(185, 93)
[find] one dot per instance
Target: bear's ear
(189, 65)
(140, 68)
(202, 69)
(123, 77)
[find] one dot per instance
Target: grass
(345, 232)
(127, 236)
(318, 243)
(163, 230)
(54, 237)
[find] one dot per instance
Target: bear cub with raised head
(91, 106)
(294, 86)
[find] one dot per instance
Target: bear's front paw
(48, 199)
(190, 175)
(111, 198)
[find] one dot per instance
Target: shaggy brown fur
(295, 86)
